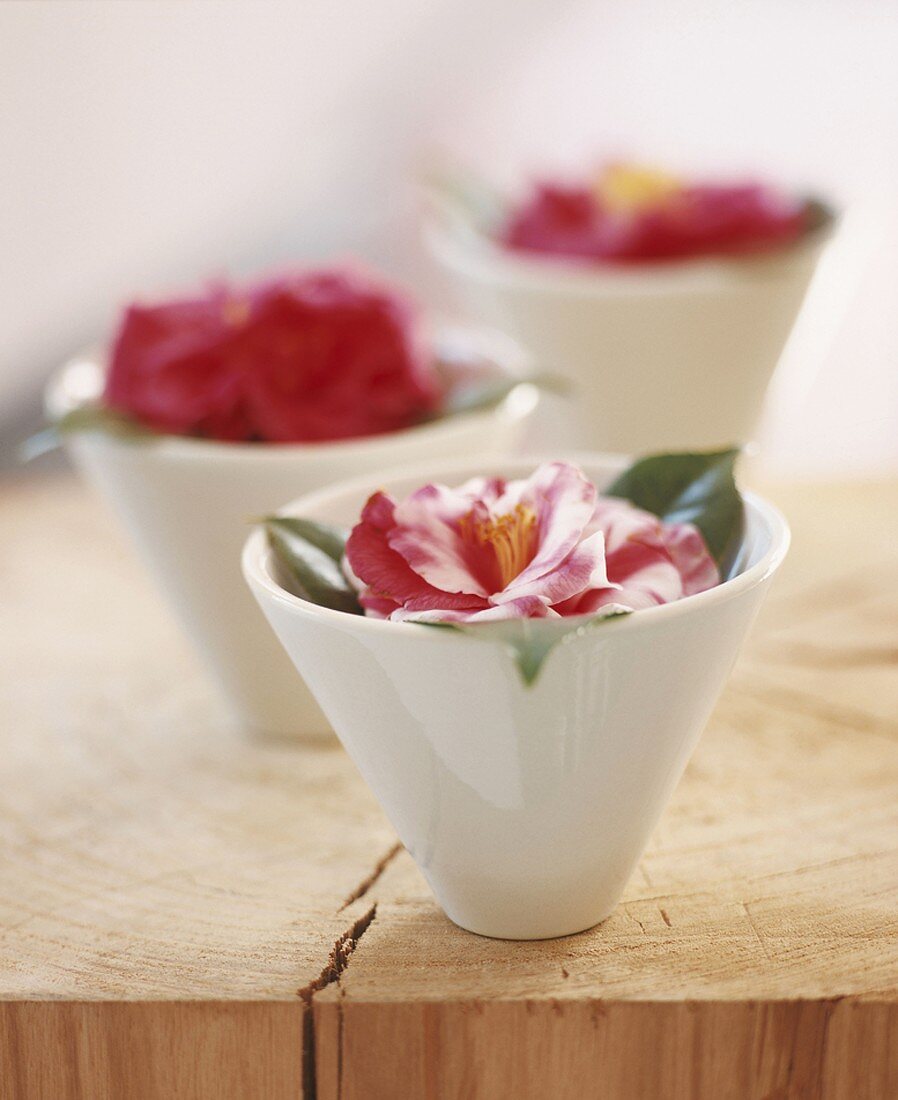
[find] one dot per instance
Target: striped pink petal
(427, 535)
(538, 547)
(385, 573)
(564, 501)
(582, 570)
(527, 607)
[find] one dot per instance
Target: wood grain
(185, 914)
(574, 1048)
(149, 1049)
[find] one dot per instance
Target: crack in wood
(788, 872)
(758, 935)
(365, 885)
(336, 964)
(636, 920)
(340, 1039)
(830, 1005)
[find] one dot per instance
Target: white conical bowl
(674, 356)
(187, 503)
(526, 807)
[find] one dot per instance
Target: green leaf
(464, 399)
(818, 214)
(530, 640)
(82, 418)
(99, 418)
(324, 536)
(466, 196)
(310, 554)
(697, 488)
(487, 394)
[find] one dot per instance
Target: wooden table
(186, 914)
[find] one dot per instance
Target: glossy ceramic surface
(526, 807)
(662, 357)
(187, 505)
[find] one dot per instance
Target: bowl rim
(517, 405)
(256, 554)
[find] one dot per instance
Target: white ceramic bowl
(527, 808)
(662, 357)
(187, 505)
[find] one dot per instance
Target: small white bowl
(186, 503)
(526, 807)
(673, 356)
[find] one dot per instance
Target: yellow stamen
(512, 538)
(628, 188)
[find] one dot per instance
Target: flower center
(511, 537)
(628, 189)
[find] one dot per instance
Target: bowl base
(542, 931)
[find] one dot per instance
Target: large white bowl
(526, 807)
(187, 504)
(674, 356)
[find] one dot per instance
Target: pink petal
(417, 561)
(650, 562)
(437, 599)
(387, 573)
(564, 502)
(528, 607)
(606, 599)
(690, 555)
(582, 570)
(379, 510)
(643, 564)
(487, 489)
(377, 607)
(426, 534)
(620, 521)
(525, 607)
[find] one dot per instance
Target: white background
(145, 145)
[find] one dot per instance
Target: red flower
(657, 220)
(312, 357)
(542, 547)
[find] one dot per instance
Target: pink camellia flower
(310, 357)
(542, 547)
(636, 215)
